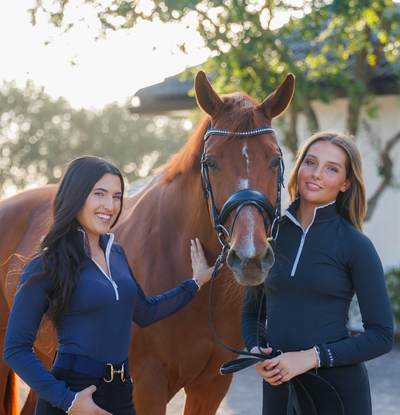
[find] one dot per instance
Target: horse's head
(235, 162)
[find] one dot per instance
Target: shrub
(392, 276)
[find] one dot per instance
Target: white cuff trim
(72, 404)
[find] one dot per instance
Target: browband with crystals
(257, 131)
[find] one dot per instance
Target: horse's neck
(194, 209)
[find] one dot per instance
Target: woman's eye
(333, 169)
(117, 197)
(309, 162)
(99, 194)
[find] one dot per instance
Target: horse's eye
(275, 162)
(211, 164)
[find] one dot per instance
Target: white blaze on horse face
(247, 213)
(246, 155)
(244, 182)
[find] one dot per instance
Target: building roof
(171, 97)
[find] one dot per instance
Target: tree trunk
(387, 171)
(291, 139)
(352, 117)
(311, 117)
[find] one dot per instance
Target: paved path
(244, 396)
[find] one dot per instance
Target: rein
(238, 200)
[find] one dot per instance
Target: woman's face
(101, 206)
(322, 174)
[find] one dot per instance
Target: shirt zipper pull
(115, 287)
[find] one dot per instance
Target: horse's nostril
(268, 259)
(233, 260)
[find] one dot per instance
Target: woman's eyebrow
(330, 162)
(106, 191)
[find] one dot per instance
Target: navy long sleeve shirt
(310, 287)
(96, 325)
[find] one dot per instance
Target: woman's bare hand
(201, 271)
(84, 404)
(286, 366)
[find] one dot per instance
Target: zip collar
(105, 242)
(321, 214)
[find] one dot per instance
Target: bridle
(242, 197)
(238, 200)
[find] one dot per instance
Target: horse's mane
(240, 109)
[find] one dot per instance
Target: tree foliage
(332, 46)
(39, 135)
(334, 50)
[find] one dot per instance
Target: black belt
(91, 367)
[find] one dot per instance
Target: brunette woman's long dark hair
(63, 249)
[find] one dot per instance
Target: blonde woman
(322, 259)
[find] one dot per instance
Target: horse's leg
(8, 391)
(8, 380)
(204, 398)
(151, 392)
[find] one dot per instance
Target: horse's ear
(207, 99)
(277, 102)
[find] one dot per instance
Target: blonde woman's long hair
(352, 203)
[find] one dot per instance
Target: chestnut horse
(155, 230)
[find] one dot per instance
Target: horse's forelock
(240, 110)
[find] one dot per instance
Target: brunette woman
(322, 260)
(80, 280)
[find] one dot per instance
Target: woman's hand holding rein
(84, 404)
(286, 366)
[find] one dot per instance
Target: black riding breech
(114, 397)
(350, 382)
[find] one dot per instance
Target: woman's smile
(104, 217)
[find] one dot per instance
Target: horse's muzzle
(250, 269)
